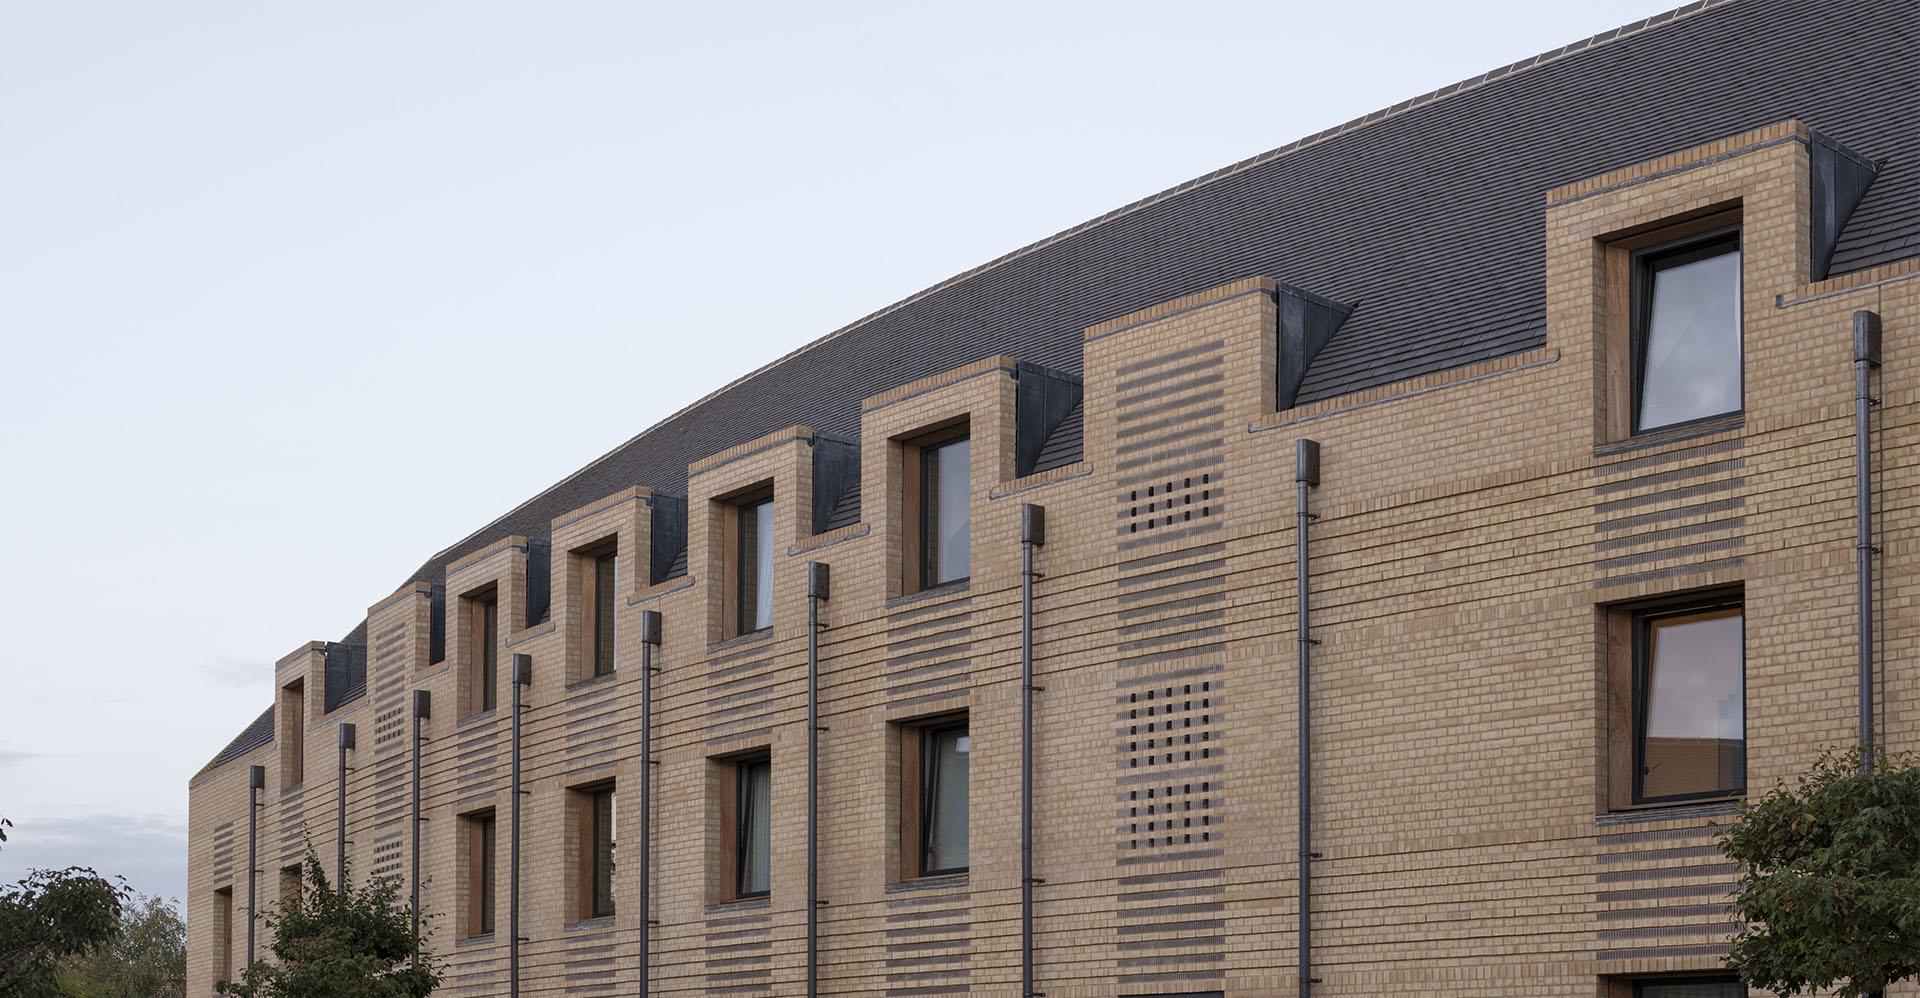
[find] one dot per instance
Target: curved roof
(1428, 215)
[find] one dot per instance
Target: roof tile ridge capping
(1316, 138)
(1473, 82)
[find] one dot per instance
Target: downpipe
(422, 710)
(1033, 534)
(1306, 475)
(522, 678)
(649, 640)
(818, 578)
(340, 839)
(1866, 356)
(256, 782)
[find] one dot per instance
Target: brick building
(1562, 363)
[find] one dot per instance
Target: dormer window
(1686, 331)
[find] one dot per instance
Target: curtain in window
(603, 853)
(756, 841)
(946, 789)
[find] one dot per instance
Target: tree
(147, 957)
(356, 942)
(1829, 887)
(50, 917)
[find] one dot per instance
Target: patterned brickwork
(1475, 526)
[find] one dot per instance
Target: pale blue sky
(294, 295)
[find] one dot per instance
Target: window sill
(1674, 434)
(1669, 812)
(485, 715)
(296, 788)
(486, 940)
(743, 904)
(956, 587)
(740, 640)
(594, 924)
(589, 683)
(937, 881)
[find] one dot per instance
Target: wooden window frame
(914, 567)
(915, 803)
(292, 734)
(223, 913)
(587, 873)
(482, 616)
(1622, 253)
(291, 880)
(480, 834)
(733, 559)
(1625, 651)
(599, 577)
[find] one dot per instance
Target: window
(1686, 331)
(753, 829)
(934, 762)
(479, 830)
(1685, 667)
(598, 576)
(223, 924)
(751, 564)
(596, 813)
(289, 887)
(945, 512)
(292, 735)
(483, 656)
(1719, 987)
(1676, 987)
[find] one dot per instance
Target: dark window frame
(929, 485)
(743, 818)
(596, 827)
(928, 735)
(1642, 618)
(1640, 986)
(1644, 263)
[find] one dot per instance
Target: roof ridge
(1326, 134)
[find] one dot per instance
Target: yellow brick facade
(1474, 525)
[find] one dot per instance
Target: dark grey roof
(259, 733)
(1428, 214)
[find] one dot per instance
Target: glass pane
(946, 823)
(603, 846)
(1692, 341)
(1717, 989)
(485, 887)
(603, 591)
(756, 839)
(1695, 734)
(947, 515)
(756, 566)
(489, 653)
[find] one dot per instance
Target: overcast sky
(294, 295)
